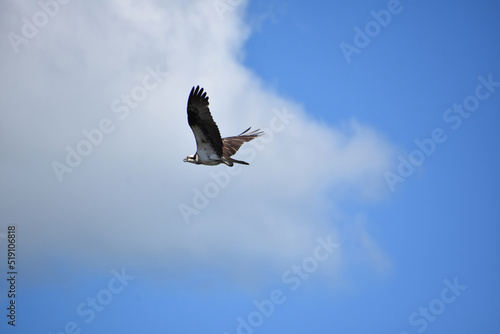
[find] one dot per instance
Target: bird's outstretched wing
(233, 144)
(201, 122)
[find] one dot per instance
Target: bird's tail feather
(230, 161)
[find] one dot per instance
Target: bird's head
(192, 159)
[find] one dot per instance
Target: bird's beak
(185, 159)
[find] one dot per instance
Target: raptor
(211, 148)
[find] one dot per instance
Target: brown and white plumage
(211, 148)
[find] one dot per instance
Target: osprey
(211, 149)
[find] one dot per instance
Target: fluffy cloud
(119, 74)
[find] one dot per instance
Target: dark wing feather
(233, 144)
(199, 117)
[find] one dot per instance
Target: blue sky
(123, 237)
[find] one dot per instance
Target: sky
(369, 205)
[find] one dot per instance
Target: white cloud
(121, 204)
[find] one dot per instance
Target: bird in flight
(211, 149)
